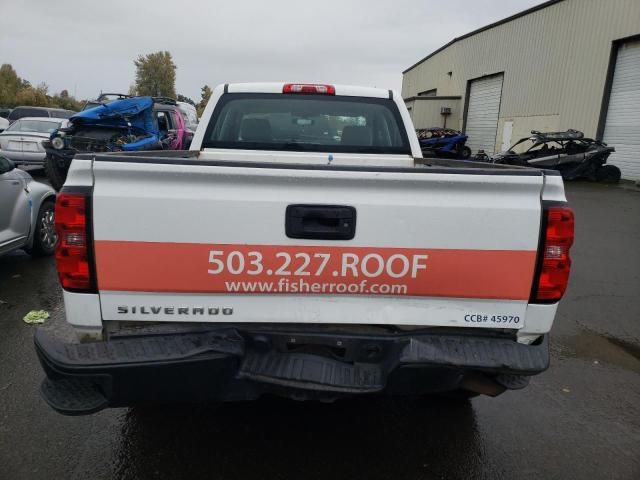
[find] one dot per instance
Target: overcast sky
(89, 46)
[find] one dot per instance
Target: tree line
(155, 76)
(16, 91)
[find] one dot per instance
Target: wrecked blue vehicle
(443, 142)
(122, 125)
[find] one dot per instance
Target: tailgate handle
(321, 222)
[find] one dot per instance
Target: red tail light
(555, 264)
(309, 88)
(73, 250)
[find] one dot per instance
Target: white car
(4, 124)
(305, 248)
(22, 140)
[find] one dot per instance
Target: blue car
(126, 124)
(443, 142)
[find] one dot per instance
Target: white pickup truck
(303, 247)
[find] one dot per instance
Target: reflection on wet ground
(277, 438)
(597, 348)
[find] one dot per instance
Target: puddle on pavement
(606, 350)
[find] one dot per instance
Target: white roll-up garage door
(622, 129)
(482, 115)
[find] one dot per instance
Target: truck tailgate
(209, 243)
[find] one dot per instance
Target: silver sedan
(22, 140)
(27, 210)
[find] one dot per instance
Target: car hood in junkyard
(137, 112)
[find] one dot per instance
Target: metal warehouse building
(562, 64)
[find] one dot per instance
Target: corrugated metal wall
(425, 112)
(554, 61)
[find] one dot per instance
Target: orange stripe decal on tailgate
(303, 269)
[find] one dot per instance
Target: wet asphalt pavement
(580, 419)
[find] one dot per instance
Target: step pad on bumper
(491, 354)
(159, 348)
(73, 396)
(311, 372)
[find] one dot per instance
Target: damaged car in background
(574, 156)
(443, 142)
(121, 125)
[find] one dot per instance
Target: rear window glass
(307, 123)
(21, 112)
(34, 126)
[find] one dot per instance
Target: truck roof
(276, 87)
